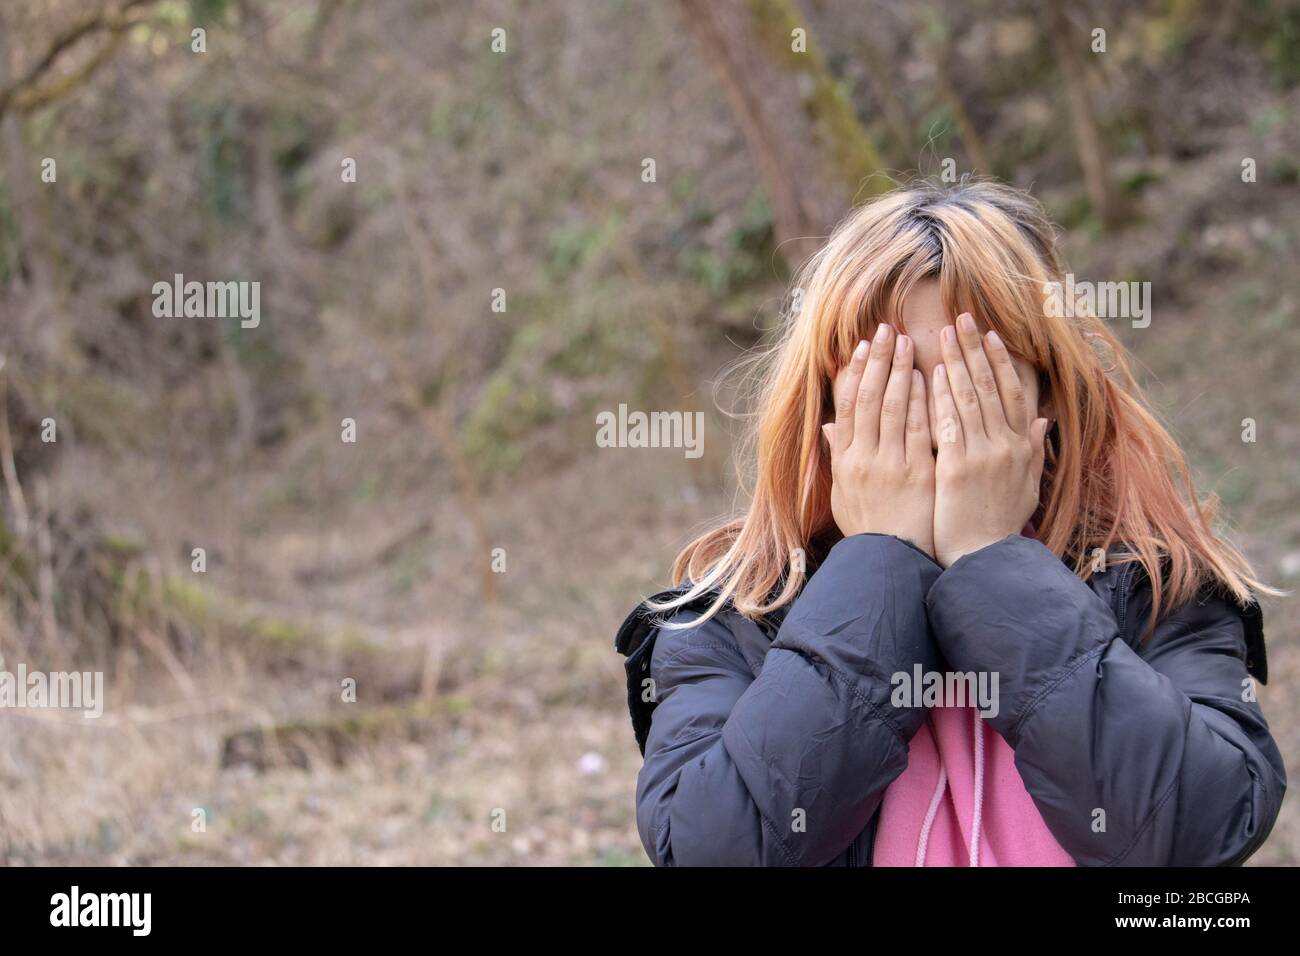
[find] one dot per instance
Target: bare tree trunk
(1083, 120)
(812, 153)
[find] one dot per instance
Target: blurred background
(557, 207)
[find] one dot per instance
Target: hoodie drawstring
(930, 814)
(978, 814)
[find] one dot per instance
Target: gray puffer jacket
(746, 726)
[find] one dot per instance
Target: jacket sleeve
(787, 767)
(1154, 756)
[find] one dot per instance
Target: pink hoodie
(961, 801)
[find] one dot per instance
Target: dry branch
(26, 93)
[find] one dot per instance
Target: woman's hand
(990, 458)
(882, 470)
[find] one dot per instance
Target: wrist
(924, 549)
(921, 542)
(947, 557)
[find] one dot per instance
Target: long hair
(1114, 483)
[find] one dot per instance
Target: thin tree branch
(25, 94)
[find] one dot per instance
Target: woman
(956, 486)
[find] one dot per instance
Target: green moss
(1286, 169)
(1281, 47)
(121, 546)
(456, 705)
(278, 631)
(208, 609)
(336, 736)
(506, 411)
(189, 600)
(747, 259)
(1266, 120)
(575, 244)
(1075, 212)
(1137, 181)
(827, 103)
(683, 187)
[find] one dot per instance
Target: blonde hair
(1113, 476)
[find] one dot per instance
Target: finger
(981, 374)
(866, 417)
(1012, 390)
(846, 397)
(948, 433)
(893, 407)
(961, 390)
(917, 444)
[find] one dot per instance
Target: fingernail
(918, 380)
(994, 339)
(882, 333)
(860, 352)
(947, 334)
(966, 322)
(900, 346)
(940, 372)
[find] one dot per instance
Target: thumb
(1038, 440)
(828, 430)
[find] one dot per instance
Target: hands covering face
(882, 471)
(983, 482)
(990, 459)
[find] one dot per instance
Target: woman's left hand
(990, 458)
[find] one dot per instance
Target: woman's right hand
(882, 467)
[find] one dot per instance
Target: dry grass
(527, 692)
